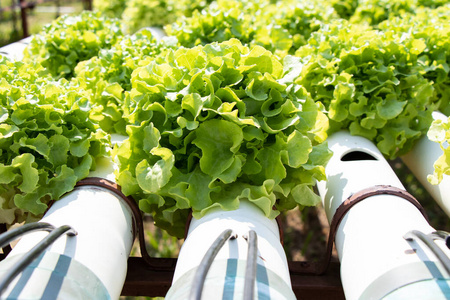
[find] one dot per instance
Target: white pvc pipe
(105, 236)
(157, 32)
(369, 240)
(420, 160)
(202, 232)
(15, 50)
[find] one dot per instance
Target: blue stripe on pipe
(56, 280)
(262, 279)
(23, 280)
(230, 279)
(434, 270)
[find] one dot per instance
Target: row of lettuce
(235, 103)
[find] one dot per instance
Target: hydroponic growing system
(215, 118)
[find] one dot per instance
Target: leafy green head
(216, 124)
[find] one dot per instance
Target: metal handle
(428, 240)
(205, 264)
(35, 251)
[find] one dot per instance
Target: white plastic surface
(369, 240)
(420, 161)
(105, 236)
(15, 50)
(158, 32)
(248, 217)
(426, 290)
(226, 280)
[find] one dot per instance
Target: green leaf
(298, 147)
(271, 159)
(304, 195)
(219, 140)
(62, 182)
(59, 148)
(390, 107)
(30, 177)
(30, 202)
(152, 178)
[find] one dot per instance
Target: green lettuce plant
(432, 27)
(139, 14)
(110, 8)
(372, 12)
(61, 45)
(280, 27)
(216, 124)
(370, 82)
(220, 22)
(47, 141)
(107, 76)
(439, 132)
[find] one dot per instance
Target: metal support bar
(250, 269)
(143, 280)
(205, 264)
(429, 242)
(33, 254)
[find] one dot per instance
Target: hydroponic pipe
(420, 160)
(90, 265)
(253, 238)
(378, 259)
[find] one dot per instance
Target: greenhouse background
(353, 55)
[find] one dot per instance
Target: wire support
(251, 266)
(13, 234)
(205, 264)
(441, 235)
(33, 254)
(429, 242)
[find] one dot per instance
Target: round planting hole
(357, 155)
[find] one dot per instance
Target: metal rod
(33, 254)
(205, 264)
(440, 255)
(250, 269)
(15, 233)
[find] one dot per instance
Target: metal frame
(143, 280)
